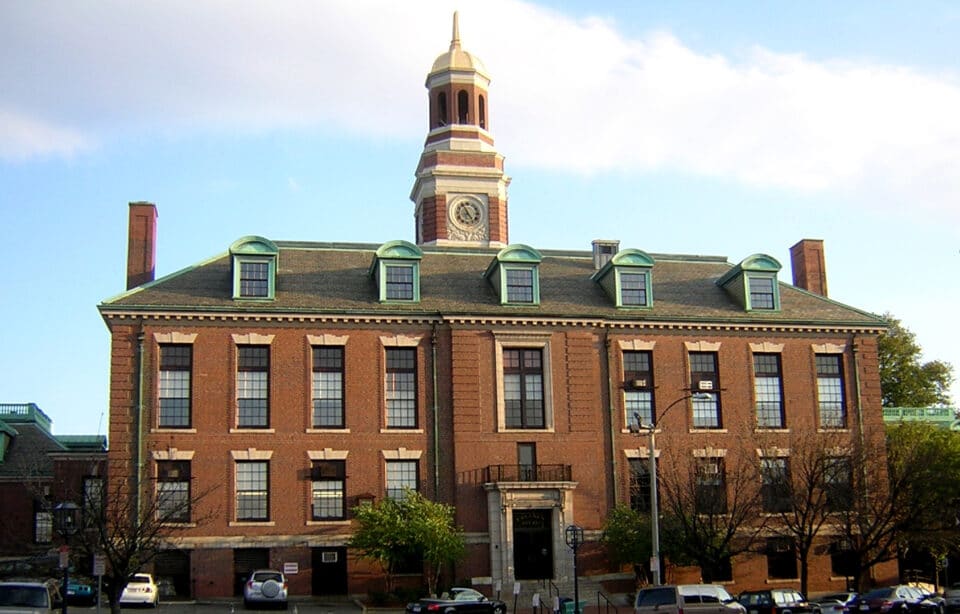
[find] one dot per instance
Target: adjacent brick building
(292, 381)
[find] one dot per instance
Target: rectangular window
(42, 527)
(402, 475)
(527, 461)
(519, 285)
(255, 279)
(768, 391)
(843, 561)
(711, 489)
(399, 283)
(761, 293)
(401, 388)
(638, 388)
(775, 490)
(705, 382)
(93, 500)
(253, 386)
(328, 387)
(838, 478)
(833, 411)
(523, 389)
(640, 484)
(328, 490)
(633, 289)
(173, 491)
(781, 558)
(253, 491)
(176, 363)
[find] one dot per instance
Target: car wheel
(500, 609)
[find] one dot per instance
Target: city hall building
(292, 381)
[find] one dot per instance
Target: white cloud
(574, 95)
(23, 137)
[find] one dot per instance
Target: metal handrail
(609, 604)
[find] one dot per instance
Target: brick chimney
(809, 267)
(141, 244)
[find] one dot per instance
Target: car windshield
(24, 596)
(879, 593)
(656, 596)
(263, 576)
(466, 596)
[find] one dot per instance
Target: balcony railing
(528, 473)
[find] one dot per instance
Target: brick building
(39, 470)
(299, 379)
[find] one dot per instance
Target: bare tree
(711, 510)
(129, 532)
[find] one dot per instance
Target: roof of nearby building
(31, 443)
(334, 278)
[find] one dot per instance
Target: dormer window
(515, 275)
(254, 268)
(396, 270)
(626, 278)
(753, 283)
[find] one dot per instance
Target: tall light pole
(574, 538)
(66, 517)
(654, 502)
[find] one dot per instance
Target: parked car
(140, 590)
(459, 601)
(836, 603)
(898, 599)
(774, 601)
(29, 597)
(951, 597)
(81, 593)
(265, 587)
(688, 599)
(929, 600)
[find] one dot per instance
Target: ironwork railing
(528, 473)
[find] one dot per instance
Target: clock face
(467, 213)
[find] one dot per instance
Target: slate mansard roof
(333, 279)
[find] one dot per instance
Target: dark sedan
(458, 601)
(899, 599)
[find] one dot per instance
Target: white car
(264, 587)
(140, 590)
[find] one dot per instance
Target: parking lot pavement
(236, 607)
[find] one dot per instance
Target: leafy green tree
(902, 498)
(393, 531)
(905, 381)
(626, 536)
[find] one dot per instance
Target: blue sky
(681, 127)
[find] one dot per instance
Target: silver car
(265, 587)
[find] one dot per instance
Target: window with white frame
(838, 478)
(401, 388)
(638, 388)
(640, 485)
(173, 491)
(252, 491)
(705, 381)
(176, 363)
(768, 391)
(775, 488)
(42, 525)
(781, 558)
(328, 387)
(402, 475)
(523, 389)
(830, 399)
(711, 489)
(328, 490)
(93, 500)
(254, 268)
(253, 386)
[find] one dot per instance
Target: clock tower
(460, 191)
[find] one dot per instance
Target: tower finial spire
(455, 41)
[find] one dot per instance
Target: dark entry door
(245, 561)
(532, 544)
(329, 571)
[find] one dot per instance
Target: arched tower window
(442, 109)
(482, 112)
(463, 107)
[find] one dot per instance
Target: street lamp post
(654, 502)
(574, 537)
(66, 517)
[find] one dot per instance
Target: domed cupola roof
(456, 59)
